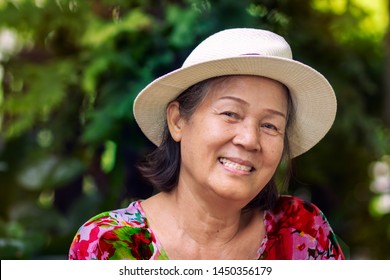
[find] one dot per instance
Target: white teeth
(234, 165)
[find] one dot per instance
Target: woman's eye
(270, 128)
(230, 114)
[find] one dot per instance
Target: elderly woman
(223, 123)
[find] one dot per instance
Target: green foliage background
(68, 141)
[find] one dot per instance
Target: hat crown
(239, 42)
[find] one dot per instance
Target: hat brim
(313, 97)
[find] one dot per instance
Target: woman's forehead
(241, 86)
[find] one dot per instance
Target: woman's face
(233, 142)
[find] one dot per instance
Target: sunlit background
(70, 70)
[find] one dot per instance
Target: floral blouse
(295, 230)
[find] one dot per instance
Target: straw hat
(245, 51)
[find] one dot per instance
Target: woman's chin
(231, 196)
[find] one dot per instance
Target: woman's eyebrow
(239, 100)
(235, 99)
(276, 112)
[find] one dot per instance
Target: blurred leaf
(101, 33)
(108, 156)
(49, 172)
(43, 91)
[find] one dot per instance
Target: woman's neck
(192, 229)
(206, 222)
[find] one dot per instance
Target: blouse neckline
(160, 248)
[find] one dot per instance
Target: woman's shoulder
(116, 234)
(292, 211)
(294, 203)
(132, 216)
(298, 229)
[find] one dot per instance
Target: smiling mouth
(236, 166)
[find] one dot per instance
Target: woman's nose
(248, 136)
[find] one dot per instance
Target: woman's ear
(174, 120)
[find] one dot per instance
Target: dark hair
(162, 166)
